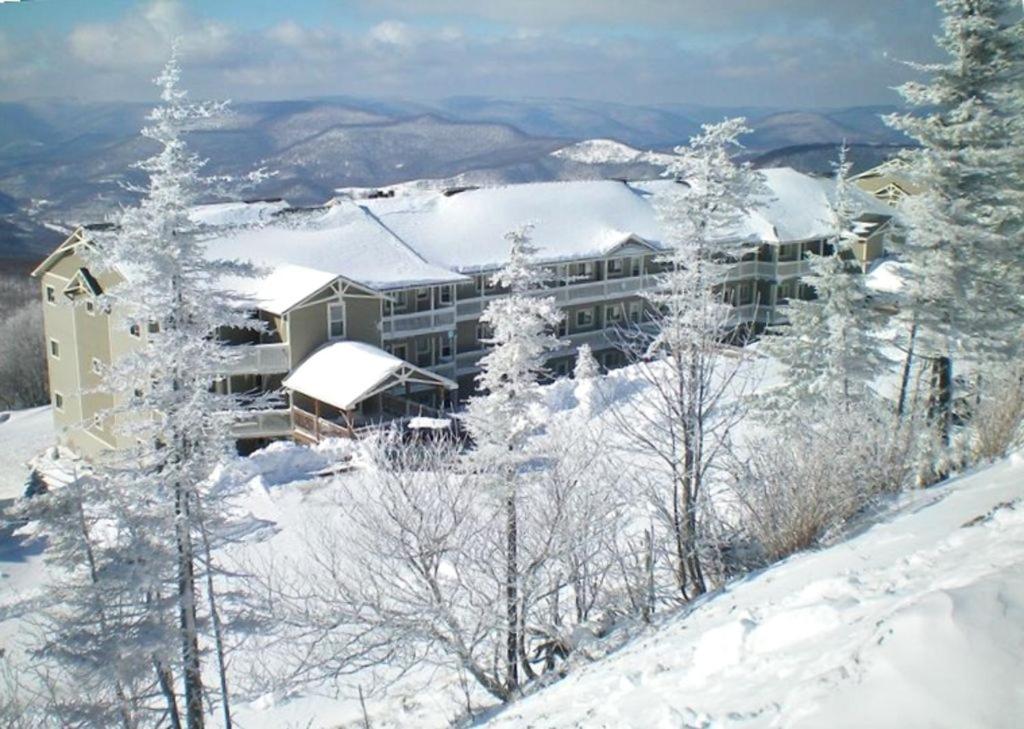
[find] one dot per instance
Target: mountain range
(64, 162)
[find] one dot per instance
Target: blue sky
(794, 53)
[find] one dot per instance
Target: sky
(779, 53)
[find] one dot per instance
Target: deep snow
(918, 621)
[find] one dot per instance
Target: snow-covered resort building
(372, 303)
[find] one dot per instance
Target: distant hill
(65, 162)
(817, 159)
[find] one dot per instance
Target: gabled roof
(83, 281)
(77, 238)
(343, 374)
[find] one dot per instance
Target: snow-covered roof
(345, 373)
(798, 207)
(341, 240)
(466, 231)
(237, 213)
(282, 287)
(423, 237)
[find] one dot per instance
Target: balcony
(789, 269)
(576, 293)
(424, 321)
(259, 359)
(750, 269)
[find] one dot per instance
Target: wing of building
(372, 304)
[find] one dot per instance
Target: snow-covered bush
(802, 481)
(997, 419)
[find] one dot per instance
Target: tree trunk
(166, 682)
(218, 635)
(511, 595)
(187, 613)
(940, 410)
(905, 378)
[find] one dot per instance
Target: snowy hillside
(916, 622)
(23, 434)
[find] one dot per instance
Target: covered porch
(344, 387)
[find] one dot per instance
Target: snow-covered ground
(918, 621)
(23, 434)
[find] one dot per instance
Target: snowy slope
(916, 622)
(23, 434)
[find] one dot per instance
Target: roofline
(77, 238)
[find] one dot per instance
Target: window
(483, 331)
(336, 320)
(90, 307)
(135, 330)
(563, 328)
(51, 295)
(446, 294)
(561, 368)
(97, 366)
(153, 327)
(612, 315)
(636, 266)
(584, 318)
(398, 350)
(55, 349)
(58, 401)
(446, 350)
(616, 265)
(422, 294)
(422, 345)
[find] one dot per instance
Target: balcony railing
(259, 359)
(789, 269)
(573, 293)
(421, 321)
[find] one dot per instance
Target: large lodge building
(372, 304)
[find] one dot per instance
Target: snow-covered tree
(136, 610)
(691, 399)
(827, 350)
(586, 375)
(964, 229)
(501, 420)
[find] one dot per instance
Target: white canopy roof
(343, 374)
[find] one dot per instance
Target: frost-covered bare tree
(410, 569)
(130, 598)
(23, 381)
(692, 398)
(964, 229)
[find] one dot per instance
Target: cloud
(784, 53)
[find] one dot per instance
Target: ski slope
(918, 621)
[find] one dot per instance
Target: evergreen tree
(964, 240)
(828, 354)
(132, 613)
(502, 419)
